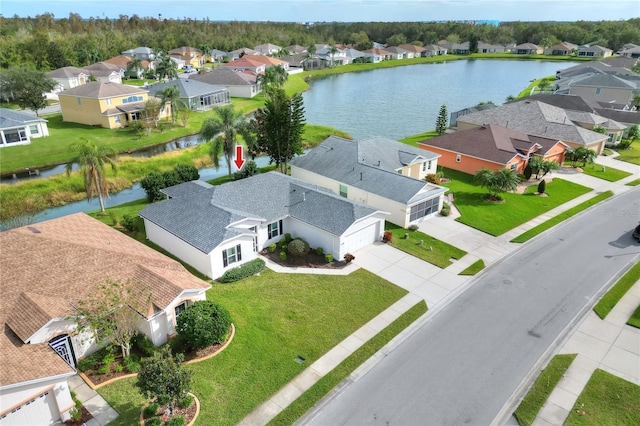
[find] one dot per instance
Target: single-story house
(604, 88)
(240, 84)
(238, 53)
(594, 51)
(295, 49)
(267, 49)
(246, 63)
(216, 55)
(215, 228)
(68, 77)
(268, 61)
(379, 172)
(632, 52)
(123, 62)
(144, 53)
(416, 50)
(376, 55)
(527, 49)
(105, 72)
(19, 127)
(538, 119)
(198, 95)
(562, 49)
(490, 48)
(492, 147)
(190, 55)
(47, 268)
(109, 105)
(399, 52)
(434, 50)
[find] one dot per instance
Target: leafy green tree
(56, 57)
(151, 114)
(183, 111)
(397, 39)
(163, 378)
(26, 86)
(634, 132)
(221, 132)
(111, 312)
(204, 323)
(171, 94)
(279, 127)
(442, 120)
(249, 169)
(92, 160)
(473, 43)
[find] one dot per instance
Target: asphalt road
(462, 365)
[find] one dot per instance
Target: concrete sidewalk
(99, 408)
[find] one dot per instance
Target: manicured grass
(424, 246)
(301, 405)
(414, 139)
(526, 236)
(542, 388)
(606, 400)
(498, 218)
(277, 317)
(634, 321)
(632, 154)
(634, 182)
(615, 293)
(474, 268)
(606, 173)
(528, 90)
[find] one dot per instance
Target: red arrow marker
(239, 154)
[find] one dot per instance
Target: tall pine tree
(441, 121)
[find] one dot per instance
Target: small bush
(150, 410)
(542, 186)
(413, 227)
(185, 402)
(118, 368)
(152, 184)
(432, 178)
(319, 251)
(243, 271)
(328, 258)
(114, 217)
(272, 248)
(106, 363)
(298, 248)
(283, 256)
(76, 414)
(283, 243)
(187, 172)
(348, 258)
(153, 421)
(387, 237)
(88, 363)
(177, 421)
(528, 171)
(131, 223)
(132, 363)
(171, 178)
(143, 344)
(287, 237)
(446, 209)
(204, 323)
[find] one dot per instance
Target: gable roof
(188, 88)
(603, 80)
(245, 61)
(100, 90)
(225, 77)
(77, 252)
(528, 46)
(341, 160)
(412, 48)
(10, 118)
(122, 61)
(246, 51)
(534, 118)
(266, 60)
(66, 72)
(139, 50)
(185, 51)
(203, 215)
(492, 143)
(389, 154)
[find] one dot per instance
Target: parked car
(151, 76)
(636, 233)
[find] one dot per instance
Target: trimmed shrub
(413, 227)
(187, 172)
(328, 258)
(528, 171)
(542, 186)
(287, 237)
(283, 256)
(298, 248)
(446, 209)
(153, 421)
(131, 222)
(348, 258)
(106, 363)
(152, 184)
(150, 410)
(177, 421)
(143, 344)
(185, 402)
(204, 323)
(319, 251)
(272, 248)
(132, 363)
(171, 178)
(90, 362)
(387, 237)
(243, 271)
(283, 243)
(432, 178)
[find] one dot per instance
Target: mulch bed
(86, 416)
(188, 413)
(310, 260)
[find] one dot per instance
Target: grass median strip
(474, 268)
(423, 246)
(634, 182)
(615, 293)
(526, 236)
(606, 400)
(634, 321)
(301, 405)
(542, 388)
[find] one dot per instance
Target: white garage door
(361, 238)
(42, 410)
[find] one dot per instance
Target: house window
(429, 165)
(79, 101)
(513, 166)
(274, 229)
(598, 90)
(424, 167)
(458, 158)
(179, 309)
(611, 136)
(13, 136)
(33, 129)
(231, 255)
(108, 102)
(117, 119)
(343, 190)
(423, 209)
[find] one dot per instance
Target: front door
(63, 347)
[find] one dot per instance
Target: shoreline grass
(542, 388)
(617, 292)
(307, 400)
(539, 229)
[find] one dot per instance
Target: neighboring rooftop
(10, 118)
(189, 88)
(97, 89)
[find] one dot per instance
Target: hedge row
(243, 271)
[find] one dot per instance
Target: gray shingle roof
(225, 77)
(188, 88)
(10, 118)
(66, 72)
(99, 90)
(201, 215)
(389, 154)
(603, 80)
(340, 159)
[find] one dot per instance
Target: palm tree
(221, 132)
(135, 64)
(585, 155)
(332, 51)
(171, 94)
(167, 67)
(536, 164)
(92, 160)
(496, 182)
(273, 77)
(549, 166)
(311, 53)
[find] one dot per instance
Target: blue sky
(335, 10)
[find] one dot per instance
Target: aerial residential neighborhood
(481, 269)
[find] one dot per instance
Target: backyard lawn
(413, 140)
(631, 155)
(498, 218)
(423, 246)
(278, 317)
(606, 173)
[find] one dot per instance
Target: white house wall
(22, 393)
(246, 251)
(242, 91)
(315, 237)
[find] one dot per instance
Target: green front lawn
(278, 317)
(606, 173)
(474, 268)
(617, 292)
(632, 154)
(542, 388)
(423, 246)
(526, 236)
(606, 400)
(497, 218)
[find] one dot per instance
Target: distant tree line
(47, 42)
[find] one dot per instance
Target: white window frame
(231, 255)
(180, 307)
(458, 158)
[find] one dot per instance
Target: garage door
(41, 410)
(361, 238)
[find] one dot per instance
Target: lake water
(403, 101)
